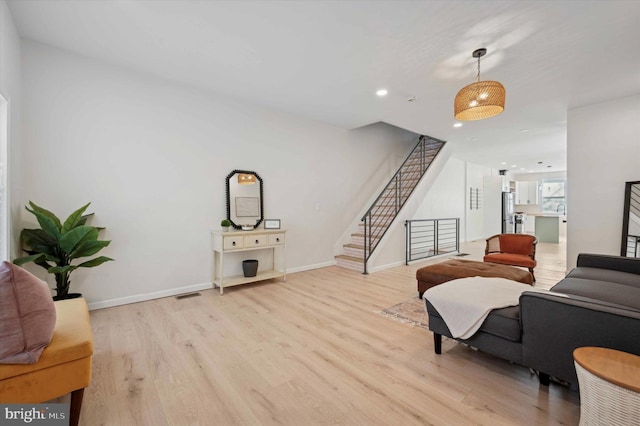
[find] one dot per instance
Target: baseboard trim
(310, 267)
(143, 297)
(387, 266)
(148, 296)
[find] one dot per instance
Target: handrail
(633, 245)
(397, 191)
(431, 237)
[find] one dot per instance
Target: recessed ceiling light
(476, 139)
(548, 166)
(513, 165)
(503, 163)
(382, 92)
(411, 98)
(521, 168)
(539, 162)
(530, 171)
(524, 130)
(457, 125)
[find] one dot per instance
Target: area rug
(410, 311)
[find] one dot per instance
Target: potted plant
(56, 244)
(226, 223)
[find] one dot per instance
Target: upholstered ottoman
(63, 367)
(452, 269)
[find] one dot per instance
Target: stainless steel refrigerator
(508, 226)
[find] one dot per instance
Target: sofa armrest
(554, 325)
(615, 263)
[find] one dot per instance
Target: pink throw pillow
(27, 315)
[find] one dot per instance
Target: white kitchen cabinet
(526, 192)
(529, 224)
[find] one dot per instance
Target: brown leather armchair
(512, 249)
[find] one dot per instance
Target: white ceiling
(325, 59)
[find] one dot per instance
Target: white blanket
(464, 303)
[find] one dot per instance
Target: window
(553, 196)
(4, 201)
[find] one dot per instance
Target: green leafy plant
(225, 223)
(57, 244)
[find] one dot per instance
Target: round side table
(609, 382)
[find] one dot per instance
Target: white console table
(246, 242)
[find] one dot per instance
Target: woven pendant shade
(479, 100)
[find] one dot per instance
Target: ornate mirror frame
(630, 246)
(229, 196)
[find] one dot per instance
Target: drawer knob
(256, 241)
(278, 240)
(233, 243)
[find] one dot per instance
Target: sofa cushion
(27, 315)
(620, 294)
(510, 259)
(605, 275)
(503, 323)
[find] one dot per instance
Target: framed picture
(247, 206)
(272, 224)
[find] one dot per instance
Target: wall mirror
(244, 199)
(631, 221)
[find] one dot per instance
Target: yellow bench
(63, 367)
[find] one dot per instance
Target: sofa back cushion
(27, 315)
(517, 243)
(605, 275)
(607, 291)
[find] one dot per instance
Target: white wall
(475, 175)
(603, 152)
(153, 156)
(445, 198)
(10, 86)
(492, 205)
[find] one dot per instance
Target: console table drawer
(255, 241)
(276, 239)
(231, 243)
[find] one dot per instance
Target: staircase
(379, 217)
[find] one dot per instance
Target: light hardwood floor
(313, 350)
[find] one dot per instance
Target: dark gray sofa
(602, 308)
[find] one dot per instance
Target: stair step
(391, 192)
(360, 235)
(353, 250)
(350, 262)
(374, 225)
(357, 246)
(416, 159)
(359, 239)
(350, 258)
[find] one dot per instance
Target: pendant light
(246, 179)
(479, 100)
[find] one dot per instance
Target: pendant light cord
(478, 76)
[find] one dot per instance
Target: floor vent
(186, 296)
